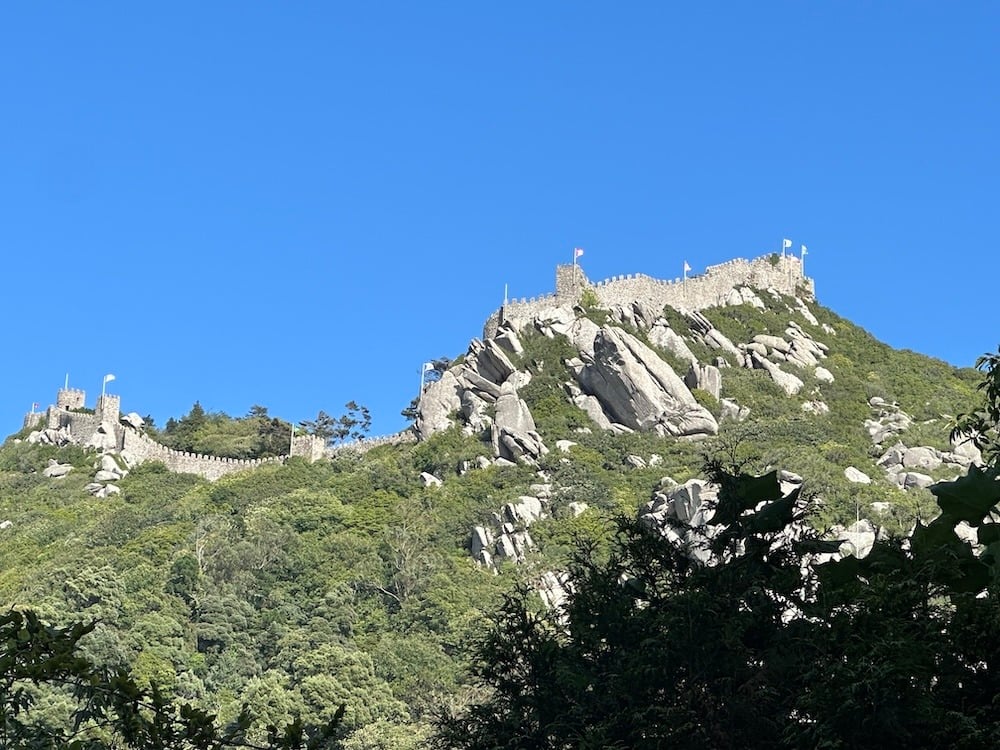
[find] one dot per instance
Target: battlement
(71, 398)
(144, 448)
(709, 289)
(80, 426)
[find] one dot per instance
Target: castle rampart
(81, 426)
(366, 444)
(710, 289)
(143, 448)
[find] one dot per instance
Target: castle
(782, 273)
(105, 426)
(715, 287)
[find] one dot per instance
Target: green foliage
(255, 436)
(980, 424)
(448, 452)
(724, 642)
(108, 708)
(353, 424)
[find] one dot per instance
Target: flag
(804, 251)
(34, 406)
(428, 366)
(686, 267)
(786, 244)
(577, 252)
(108, 378)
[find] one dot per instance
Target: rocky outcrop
(663, 336)
(789, 383)
(639, 390)
(55, 470)
(888, 421)
(50, 436)
(853, 474)
(104, 438)
(514, 435)
(704, 377)
(510, 539)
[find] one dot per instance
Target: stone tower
(70, 398)
(570, 282)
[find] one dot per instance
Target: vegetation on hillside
(750, 636)
(299, 588)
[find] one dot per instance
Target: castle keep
(782, 273)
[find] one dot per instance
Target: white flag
(804, 251)
(786, 244)
(428, 366)
(108, 378)
(686, 267)
(577, 252)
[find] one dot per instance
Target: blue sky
(295, 204)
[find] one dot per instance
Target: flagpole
(420, 393)
(291, 441)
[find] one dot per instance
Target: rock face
(704, 377)
(857, 476)
(789, 383)
(639, 390)
(55, 469)
(514, 435)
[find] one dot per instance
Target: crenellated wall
(365, 445)
(81, 426)
(143, 448)
(782, 273)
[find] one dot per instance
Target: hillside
(362, 576)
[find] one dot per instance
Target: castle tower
(70, 398)
(109, 408)
(570, 282)
(309, 447)
(33, 420)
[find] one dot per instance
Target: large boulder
(56, 470)
(639, 390)
(490, 360)
(515, 437)
(704, 377)
(784, 380)
(439, 401)
(664, 337)
(104, 438)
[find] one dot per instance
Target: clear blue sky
(295, 204)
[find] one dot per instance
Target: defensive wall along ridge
(81, 427)
(144, 448)
(710, 289)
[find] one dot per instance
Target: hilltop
(361, 575)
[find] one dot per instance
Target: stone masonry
(781, 273)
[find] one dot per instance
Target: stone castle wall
(144, 448)
(81, 426)
(365, 445)
(782, 273)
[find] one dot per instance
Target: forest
(336, 603)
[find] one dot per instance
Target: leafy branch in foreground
(110, 709)
(980, 424)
